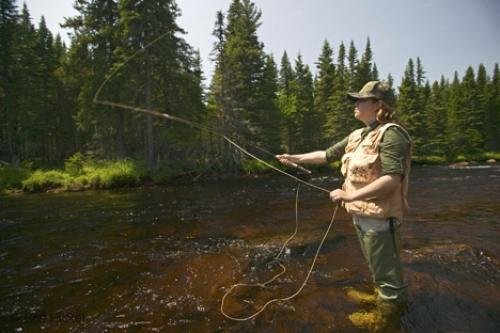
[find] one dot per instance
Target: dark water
(160, 259)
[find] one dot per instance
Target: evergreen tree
(435, 143)
(420, 74)
(408, 106)
(270, 117)
(95, 39)
(472, 123)
(24, 86)
(365, 67)
(242, 74)
(375, 75)
(287, 103)
(45, 105)
(352, 59)
(455, 117)
(9, 144)
(338, 123)
(308, 124)
(323, 87)
(493, 111)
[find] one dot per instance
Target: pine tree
(95, 39)
(409, 108)
(240, 78)
(270, 117)
(338, 123)
(455, 116)
(46, 84)
(492, 121)
(308, 124)
(25, 84)
(352, 59)
(483, 91)
(435, 112)
(287, 103)
(472, 123)
(364, 69)
(375, 75)
(323, 87)
(9, 144)
(170, 79)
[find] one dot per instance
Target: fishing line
(264, 284)
(208, 129)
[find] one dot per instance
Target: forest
(53, 134)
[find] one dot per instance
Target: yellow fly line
(201, 127)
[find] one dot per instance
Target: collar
(370, 127)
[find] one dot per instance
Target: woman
(375, 164)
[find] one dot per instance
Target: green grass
(89, 174)
(45, 180)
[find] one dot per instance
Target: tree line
(47, 90)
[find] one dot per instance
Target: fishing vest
(361, 166)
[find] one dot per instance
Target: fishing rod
(208, 129)
(96, 100)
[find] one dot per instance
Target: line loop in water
(264, 284)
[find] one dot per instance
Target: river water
(159, 259)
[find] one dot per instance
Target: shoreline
(137, 178)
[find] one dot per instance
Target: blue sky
(447, 35)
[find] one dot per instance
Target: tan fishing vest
(361, 166)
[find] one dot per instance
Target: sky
(447, 35)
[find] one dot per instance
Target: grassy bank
(80, 173)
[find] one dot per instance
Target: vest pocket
(361, 168)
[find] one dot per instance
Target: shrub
(74, 164)
(44, 180)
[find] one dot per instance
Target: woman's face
(366, 110)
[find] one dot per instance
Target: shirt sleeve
(336, 151)
(394, 149)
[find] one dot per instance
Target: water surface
(159, 259)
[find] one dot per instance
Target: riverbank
(79, 173)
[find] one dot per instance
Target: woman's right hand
(287, 159)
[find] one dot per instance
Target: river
(159, 259)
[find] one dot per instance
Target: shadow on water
(160, 259)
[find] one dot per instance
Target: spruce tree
(408, 106)
(9, 143)
(492, 122)
(435, 142)
(308, 124)
(338, 123)
(473, 121)
(352, 59)
(270, 113)
(240, 78)
(323, 87)
(287, 103)
(364, 68)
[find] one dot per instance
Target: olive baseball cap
(374, 89)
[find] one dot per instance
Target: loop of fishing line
(264, 284)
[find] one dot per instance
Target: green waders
(380, 244)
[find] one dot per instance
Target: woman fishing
(375, 164)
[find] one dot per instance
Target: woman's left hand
(339, 194)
